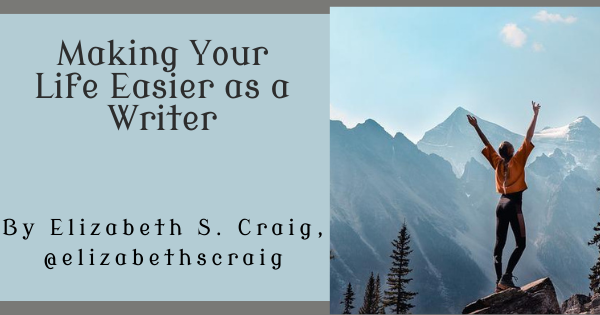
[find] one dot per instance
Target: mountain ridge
(379, 179)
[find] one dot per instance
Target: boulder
(575, 304)
(538, 297)
(582, 304)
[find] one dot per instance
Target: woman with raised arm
(509, 168)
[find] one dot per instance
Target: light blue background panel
(264, 159)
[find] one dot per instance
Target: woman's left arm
(531, 130)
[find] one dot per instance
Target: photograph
(464, 160)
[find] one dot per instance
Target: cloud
(513, 36)
(538, 47)
(545, 16)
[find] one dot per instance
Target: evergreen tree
(348, 300)
(397, 295)
(595, 275)
(370, 305)
(378, 297)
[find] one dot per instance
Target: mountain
(581, 138)
(379, 180)
(555, 163)
(564, 212)
(457, 142)
(560, 209)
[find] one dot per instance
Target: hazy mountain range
(444, 189)
(456, 142)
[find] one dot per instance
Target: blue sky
(409, 68)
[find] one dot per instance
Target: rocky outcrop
(581, 304)
(538, 297)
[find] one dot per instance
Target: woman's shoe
(498, 289)
(506, 282)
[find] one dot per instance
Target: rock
(582, 304)
(594, 306)
(575, 304)
(538, 297)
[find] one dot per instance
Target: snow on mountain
(379, 180)
(581, 138)
(457, 142)
(553, 133)
(575, 131)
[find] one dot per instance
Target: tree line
(396, 297)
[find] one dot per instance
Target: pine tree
(595, 275)
(378, 297)
(348, 300)
(370, 305)
(397, 296)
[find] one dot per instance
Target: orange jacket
(514, 180)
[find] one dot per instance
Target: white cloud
(545, 16)
(538, 47)
(513, 35)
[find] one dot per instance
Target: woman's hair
(504, 149)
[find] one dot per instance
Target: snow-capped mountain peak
(456, 141)
(549, 132)
(579, 125)
(378, 181)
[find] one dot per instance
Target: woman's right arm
(473, 122)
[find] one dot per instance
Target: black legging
(508, 212)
